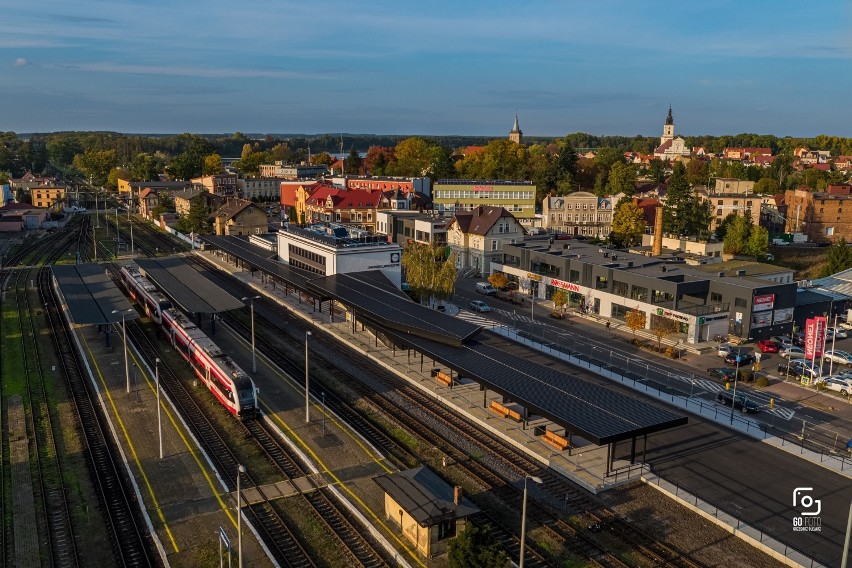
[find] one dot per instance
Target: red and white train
(228, 383)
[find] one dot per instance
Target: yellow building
(240, 217)
(427, 510)
(47, 196)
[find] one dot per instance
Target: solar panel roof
(597, 412)
(187, 287)
(375, 298)
(90, 295)
(261, 258)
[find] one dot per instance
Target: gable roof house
(476, 238)
(240, 217)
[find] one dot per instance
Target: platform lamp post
(307, 382)
(159, 420)
(524, 516)
(251, 300)
(124, 334)
(241, 469)
(734, 397)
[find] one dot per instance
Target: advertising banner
(783, 316)
(763, 302)
(761, 319)
(814, 337)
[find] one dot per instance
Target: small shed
(427, 510)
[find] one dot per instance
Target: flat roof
(261, 258)
(90, 295)
(597, 412)
(187, 287)
(373, 297)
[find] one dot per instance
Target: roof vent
(629, 264)
(606, 255)
(663, 269)
(722, 274)
(741, 272)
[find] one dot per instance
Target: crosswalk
(762, 398)
(476, 319)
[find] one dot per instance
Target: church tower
(668, 128)
(516, 135)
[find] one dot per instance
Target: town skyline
(607, 69)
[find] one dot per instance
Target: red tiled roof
(321, 191)
(661, 149)
(356, 199)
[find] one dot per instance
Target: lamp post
(240, 470)
(124, 334)
(132, 247)
(307, 381)
(846, 540)
(524, 516)
(734, 397)
(159, 420)
(251, 300)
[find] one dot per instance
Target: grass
(312, 533)
(807, 263)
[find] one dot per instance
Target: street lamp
(524, 516)
(124, 333)
(159, 420)
(307, 383)
(251, 300)
(734, 398)
(240, 470)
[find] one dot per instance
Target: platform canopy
(193, 292)
(259, 258)
(91, 296)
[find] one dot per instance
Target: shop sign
(536, 277)
(670, 314)
(570, 286)
(483, 188)
(763, 302)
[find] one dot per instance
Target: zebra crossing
(701, 386)
(476, 319)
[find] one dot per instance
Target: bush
(746, 375)
(671, 353)
(820, 386)
(761, 382)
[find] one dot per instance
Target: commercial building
(578, 213)
(730, 195)
(516, 197)
(262, 188)
(328, 249)
(407, 228)
(134, 187)
(702, 300)
(422, 185)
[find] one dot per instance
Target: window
(494, 245)
(639, 293)
(715, 297)
(447, 529)
(829, 231)
(601, 282)
(574, 276)
(620, 288)
(718, 212)
(661, 297)
(740, 302)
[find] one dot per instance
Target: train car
(223, 377)
(145, 293)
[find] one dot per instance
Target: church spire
(669, 119)
(516, 128)
(516, 135)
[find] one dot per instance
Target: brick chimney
(457, 495)
(657, 249)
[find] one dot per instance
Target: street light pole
(833, 341)
(124, 333)
(159, 420)
(240, 470)
(524, 516)
(846, 540)
(734, 398)
(307, 381)
(251, 300)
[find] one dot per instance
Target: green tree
(838, 258)
(500, 159)
(766, 186)
(474, 548)
(622, 179)
(144, 167)
(698, 217)
(197, 220)
(164, 204)
(294, 215)
(429, 272)
(724, 224)
(413, 158)
(635, 320)
(250, 164)
(758, 242)
(737, 235)
(95, 164)
(657, 171)
(628, 224)
(116, 174)
(678, 199)
(189, 163)
(323, 159)
(23, 197)
(213, 165)
(352, 163)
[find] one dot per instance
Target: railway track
(599, 523)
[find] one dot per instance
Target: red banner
(814, 337)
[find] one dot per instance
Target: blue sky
(437, 67)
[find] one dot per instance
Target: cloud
(222, 72)
(21, 62)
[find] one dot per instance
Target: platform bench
(444, 378)
(556, 440)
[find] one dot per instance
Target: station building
(328, 249)
(742, 299)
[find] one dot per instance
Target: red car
(767, 346)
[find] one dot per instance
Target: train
(231, 386)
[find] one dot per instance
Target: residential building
(422, 185)
(183, 200)
(821, 216)
(407, 228)
(670, 148)
(29, 181)
(516, 197)
(288, 194)
(47, 195)
(702, 300)
(134, 187)
(314, 193)
(730, 195)
(745, 154)
(223, 185)
(291, 171)
(354, 208)
(477, 237)
(516, 135)
(148, 200)
(16, 217)
(328, 249)
(240, 217)
(425, 509)
(578, 213)
(260, 188)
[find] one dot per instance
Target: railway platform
(186, 503)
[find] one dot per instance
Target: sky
(441, 67)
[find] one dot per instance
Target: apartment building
(459, 195)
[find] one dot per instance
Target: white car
(840, 384)
(839, 357)
(792, 352)
(724, 349)
(479, 306)
(837, 332)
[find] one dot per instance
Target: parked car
(767, 346)
(740, 402)
(724, 373)
(799, 339)
(739, 358)
(792, 352)
(841, 384)
(479, 306)
(798, 368)
(842, 357)
(485, 288)
(837, 332)
(724, 349)
(783, 341)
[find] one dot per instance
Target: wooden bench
(504, 412)
(444, 379)
(556, 440)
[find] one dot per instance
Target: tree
(116, 174)
(662, 328)
(144, 167)
(699, 215)
(250, 164)
(628, 224)
(657, 171)
(474, 548)
(678, 197)
(635, 320)
(377, 159)
(213, 165)
(724, 224)
(352, 163)
(559, 299)
(429, 272)
(198, 216)
(164, 204)
(23, 197)
(736, 237)
(95, 164)
(294, 215)
(413, 158)
(838, 258)
(758, 242)
(498, 280)
(322, 159)
(622, 179)
(767, 186)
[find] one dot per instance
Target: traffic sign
(224, 538)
